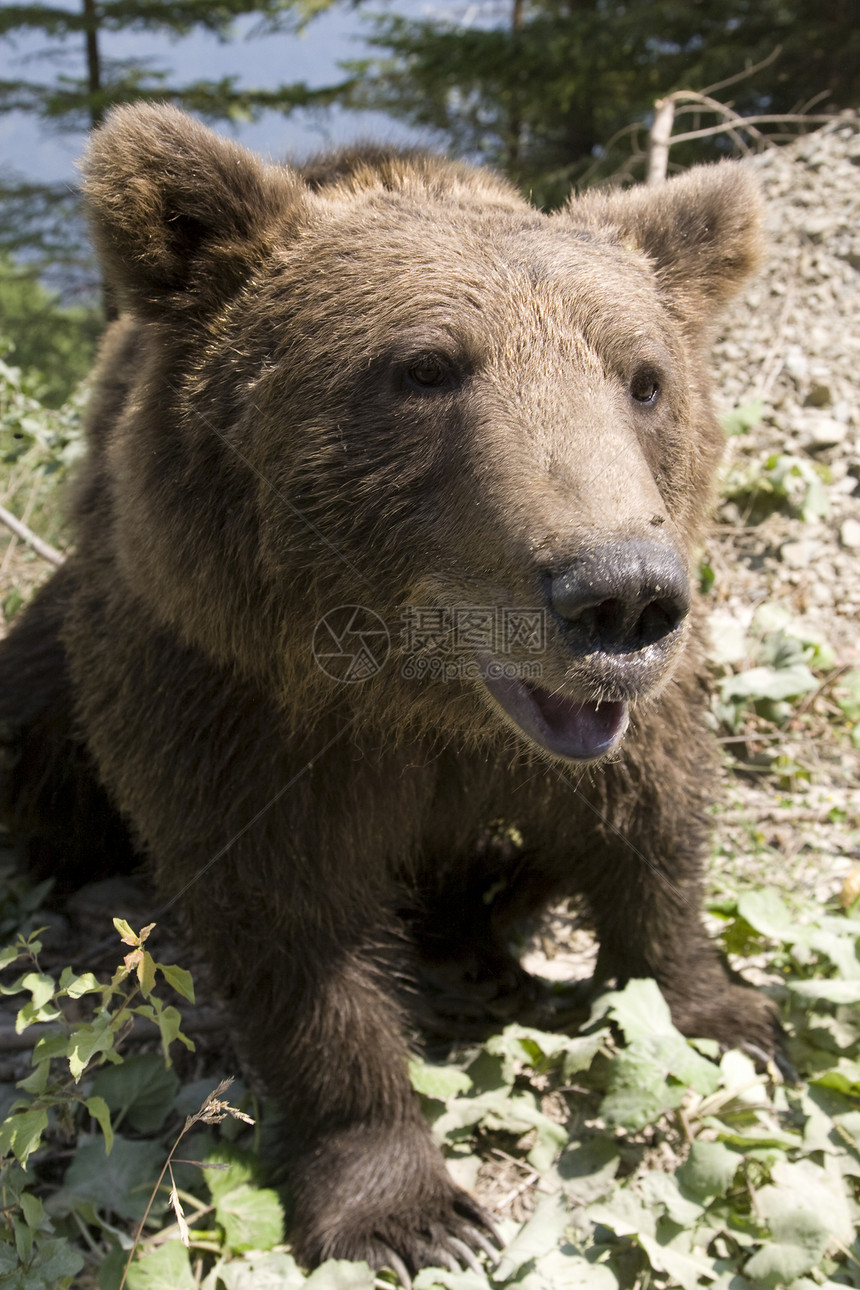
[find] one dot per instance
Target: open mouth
(576, 729)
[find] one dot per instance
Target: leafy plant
(780, 481)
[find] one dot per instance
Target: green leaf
(769, 683)
(21, 1134)
(32, 1209)
(141, 1090)
(252, 1218)
(768, 914)
(338, 1274)
(256, 1271)
(661, 1191)
(684, 1268)
(54, 1262)
(709, 1169)
(537, 1237)
(845, 992)
(566, 1269)
(87, 1041)
(437, 1082)
(639, 1009)
(179, 979)
(587, 1170)
(120, 1183)
(98, 1109)
(743, 418)
(638, 1090)
(76, 986)
(167, 1267)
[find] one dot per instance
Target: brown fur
(261, 454)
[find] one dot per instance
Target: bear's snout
(620, 597)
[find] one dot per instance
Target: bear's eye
(645, 387)
(430, 372)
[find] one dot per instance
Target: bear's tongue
(579, 730)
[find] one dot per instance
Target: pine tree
(541, 88)
(41, 220)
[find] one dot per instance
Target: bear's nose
(620, 596)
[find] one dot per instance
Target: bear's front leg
(645, 895)
(326, 1035)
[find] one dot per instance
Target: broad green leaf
(542, 1233)
(831, 991)
(252, 1218)
(338, 1274)
(86, 1041)
(437, 1082)
(587, 1170)
(41, 987)
(684, 1268)
(55, 1261)
(98, 1109)
(640, 1009)
(566, 1269)
(256, 1271)
(179, 979)
(21, 1133)
(242, 1168)
(442, 1279)
(624, 1214)
(765, 911)
(769, 683)
(75, 986)
(32, 1209)
(167, 1267)
(169, 1022)
(140, 1091)
(742, 418)
(638, 1090)
(661, 1189)
(709, 1169)
(146, 973)
(120, 1183)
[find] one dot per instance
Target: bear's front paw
(736, 1015)
(387, 1200)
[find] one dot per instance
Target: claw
(398, 1267)
(465, 1255)
(785, 1068)
(445, 1260)
(478, 1238)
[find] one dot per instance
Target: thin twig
(748, 71)
(23, 531)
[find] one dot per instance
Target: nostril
(660, 617)
(621, 596)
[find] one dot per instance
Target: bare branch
(21, 530)
(741, 76)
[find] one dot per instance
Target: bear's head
(389, 383)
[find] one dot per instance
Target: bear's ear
(702, 232)
(179, 214)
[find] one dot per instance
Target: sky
(45, 154)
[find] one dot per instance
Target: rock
(799, 554)
(823, 432)
(849, 534)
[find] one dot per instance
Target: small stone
(799, 554)
(849, 534)
(818, 397)
(821, 432)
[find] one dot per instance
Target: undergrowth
(624, 1156)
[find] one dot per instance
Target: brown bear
(385, 536)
